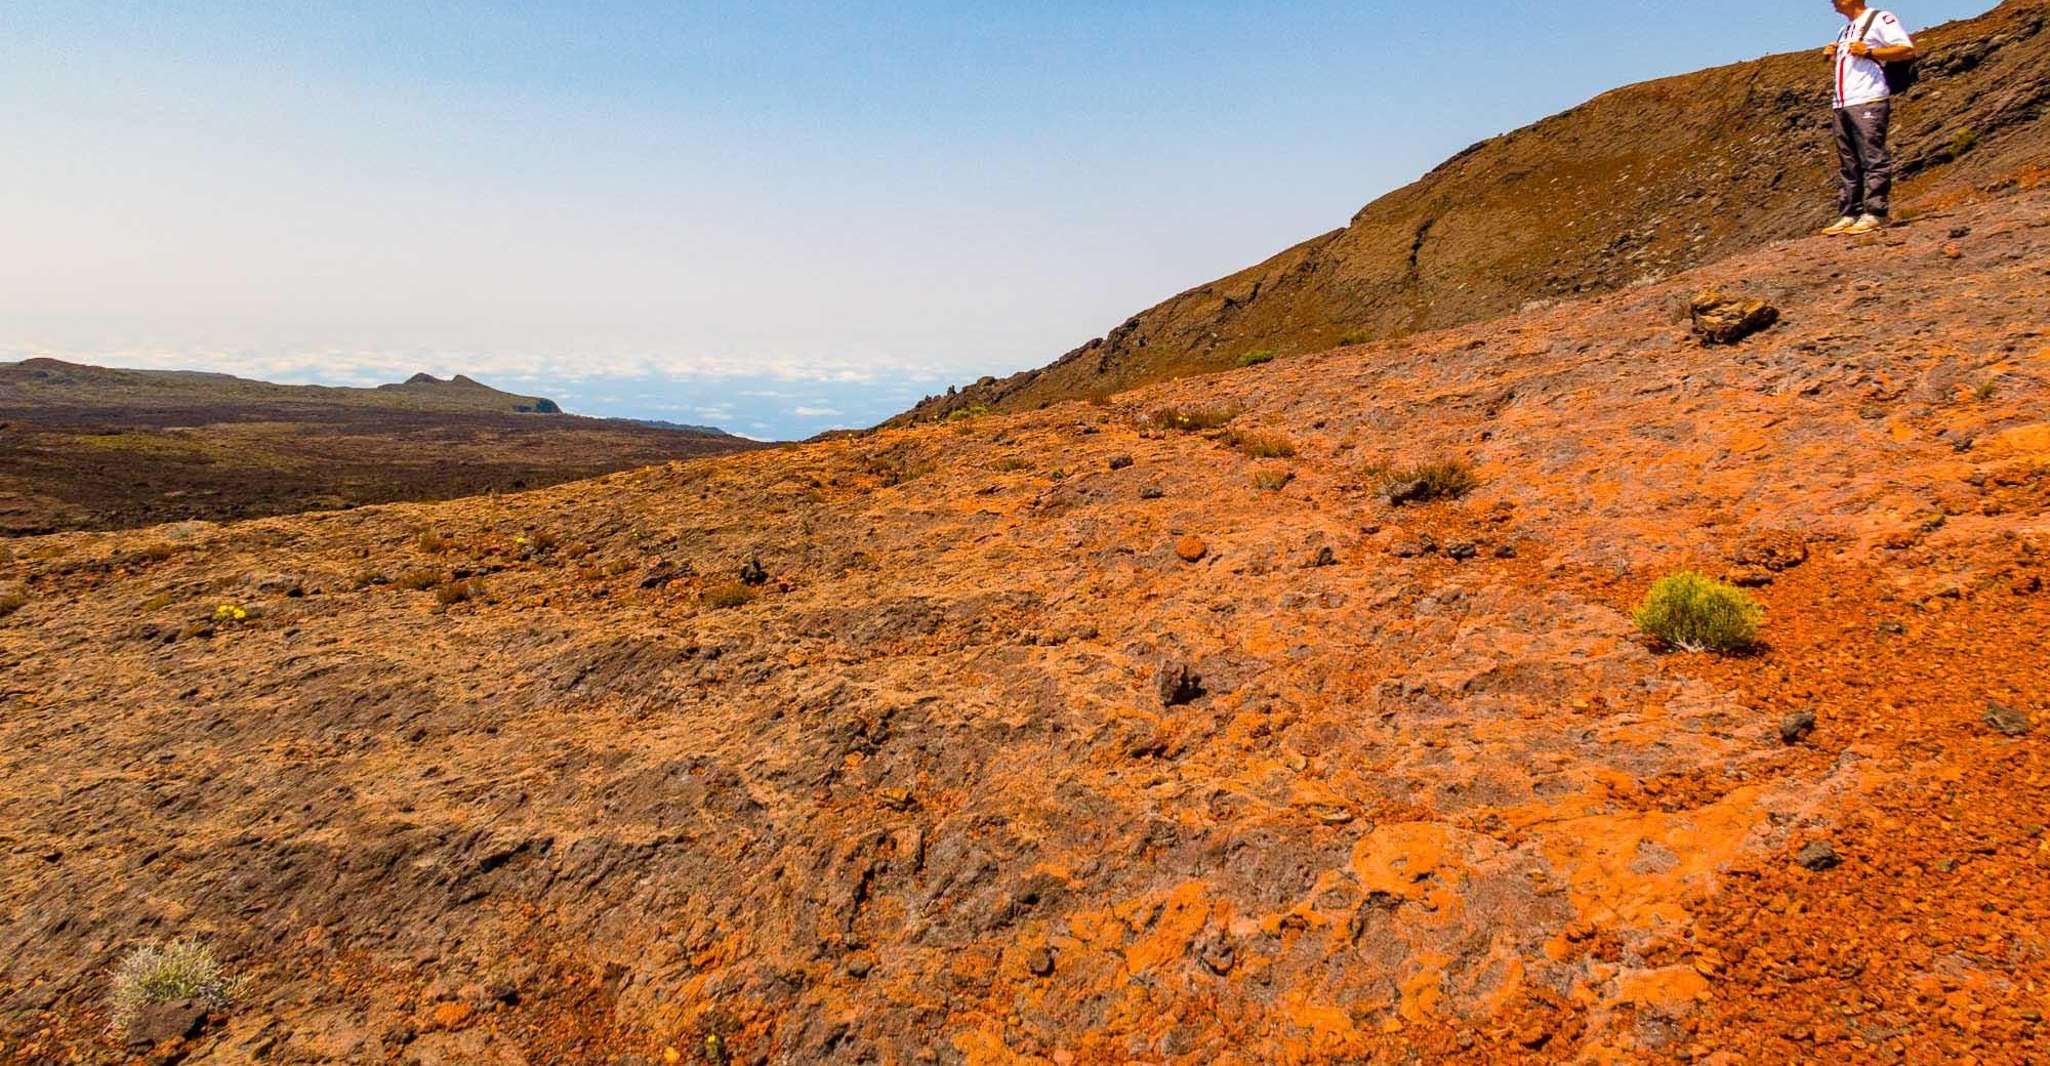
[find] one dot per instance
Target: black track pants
(1861, 151)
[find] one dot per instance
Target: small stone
(452, 1014)
(1724, 319)
(1534, 1036)
(858, 966)
(1794, 728)
(1506, 551)
(1324, 557)
(897, 799)
(1750, 577)
(1958, 233)
(1402, 492)
(753, 574)
(1462, 549)
(1178, 684)
(1040, 962)
(1192, 548)
(1818, 857)
(1410, 548)
(155, 1023)
(2006, 720)
(1119, 462)
(1152, 492)
(1952, 251)
(1219, 959)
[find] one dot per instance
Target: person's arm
(1894, 53)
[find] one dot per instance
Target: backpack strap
(1871, 17)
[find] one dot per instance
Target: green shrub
(418, 579)
(1260, 444)
(166, 973)
(729, 596)
(1696, 613)
(1447, 479)
(1189, 419)
(1273, 478)
(1255, 358)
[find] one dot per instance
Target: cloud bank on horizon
(802, 215)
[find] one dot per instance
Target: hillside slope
(1637, 183)
(1052, 738)
(87, 447)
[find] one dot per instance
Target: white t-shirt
(1860, 79)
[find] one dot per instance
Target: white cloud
(816, 412)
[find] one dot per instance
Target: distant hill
(55, 381)
(1634, 185)
(87, 447)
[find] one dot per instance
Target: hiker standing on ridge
(1864, 56)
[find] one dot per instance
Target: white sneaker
(1839, 226)
(1865, 224)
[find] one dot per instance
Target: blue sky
(777, 217)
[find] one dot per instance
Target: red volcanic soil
(1063, 737)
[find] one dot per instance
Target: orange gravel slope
(1052, 739)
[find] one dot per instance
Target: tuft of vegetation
(418, 579)
(1010, 463)
(12, 601)
(1256, 357)
(962, 414)
(727, 596)
(229, 614)
(1446, 479)
(1962, 141)
(1273, 478)
(167, 973)
(894, 469)
(1352, 337)
(450, 593)
(1260, 444)
(1695, 613)
(431, 542)
(1987, 389)
(1188, 419)
(536, 542)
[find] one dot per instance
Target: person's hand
(1829, 52)
(1860, 49)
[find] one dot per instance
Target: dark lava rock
(1401, 492)
(1219, 959)
(2007, 721)
(1462, 549)
(753, 574)
(1324, 557)
(1818, 856)
(1152, 492)
(1794, 728)
(1040, 962)
(1410, 549)
(155, 1023)
(1178, 684)
(1724, 319)
(1506, 551)
(1119, 462)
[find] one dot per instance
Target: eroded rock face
(939, 788)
